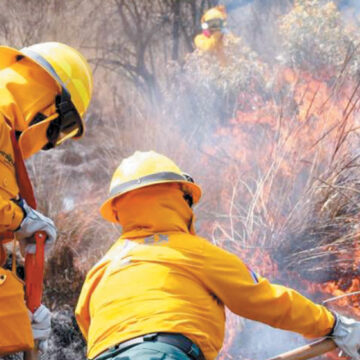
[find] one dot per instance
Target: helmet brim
(8, 56)
(106, 209)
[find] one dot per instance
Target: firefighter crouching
(160, 292)
(45, 90)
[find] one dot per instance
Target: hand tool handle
(34, 273)
(34, 278)
(32, 354)
(309, 351)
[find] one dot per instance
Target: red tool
(34, 273)
(34, 278)
(34, 263)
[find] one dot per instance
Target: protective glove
(41, 326)
(35, 221)
(346, 334)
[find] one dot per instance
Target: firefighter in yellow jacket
(160, 292)
(45, 90)
(213, 25)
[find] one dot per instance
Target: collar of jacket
(154, 209)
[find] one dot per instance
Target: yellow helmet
(144, 169)
(72, 74)
(217, 12)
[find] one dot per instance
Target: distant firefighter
(213, 24)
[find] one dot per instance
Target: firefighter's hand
(35, 221)
(41, 326)
(346, 334)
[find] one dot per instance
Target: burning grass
(325, 231)
(289, 188)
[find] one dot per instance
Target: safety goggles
(67, 125)
(214, 24)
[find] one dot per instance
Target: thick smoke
(234, 113)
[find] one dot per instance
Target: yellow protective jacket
(20, 99)
(11, 215)
(24, 91)
(160, 276)
(213, 43)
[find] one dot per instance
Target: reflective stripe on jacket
(160, 277)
